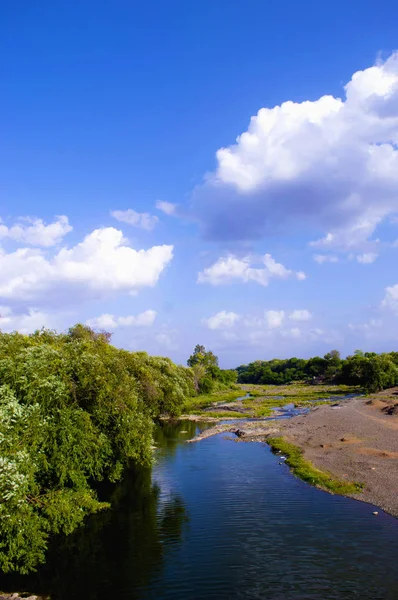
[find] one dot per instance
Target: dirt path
(356, 441)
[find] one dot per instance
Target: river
(218, 520)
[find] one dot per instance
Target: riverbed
(217, 520)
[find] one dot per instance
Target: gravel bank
(355, 440)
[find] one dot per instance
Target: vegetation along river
(219, 519)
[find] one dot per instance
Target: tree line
(76, 411)
(372, 371)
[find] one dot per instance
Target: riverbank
(355, 441)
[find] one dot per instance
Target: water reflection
(170, 434)
(122, 548)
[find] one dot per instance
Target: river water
(218, 520)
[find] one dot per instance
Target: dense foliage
(74, 411)
(208, 376)
(372, 371)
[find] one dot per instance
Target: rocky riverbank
(248, 432)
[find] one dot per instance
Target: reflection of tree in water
(168, 435)
(117, 552)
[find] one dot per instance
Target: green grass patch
(300, 389)
(222, 414)
(197, 403)
(307, 472)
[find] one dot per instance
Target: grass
(307, 472)
(196, 404)
(299, 390)
(222, 414)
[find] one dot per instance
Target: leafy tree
(207, 374)
(379, 373)
(74, 411)
(203, 357)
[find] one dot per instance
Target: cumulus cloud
(107, 321)
(141, 220)
(293, 332)
(231, 269)
(221, 320)
(275, 329)
(367, 258)
(36, 232)
(100, 265)
(274, 318)
(323, 258)
(300, 315)
(25, 322)
(167, 207)
(390, 300)
(167, 338)
(331, 164)
(366, 327)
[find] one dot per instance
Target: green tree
(203, 357)
(74, 411)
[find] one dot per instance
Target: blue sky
(129, 202)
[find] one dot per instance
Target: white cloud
(167, 338)
(35, 232)
(231, 269)
(391, 298)
(26, 322)
(322, 258)
(274, 318)
(366, 327)
(221, 320)
(367, 258)
(107, 321)
(274, 333)
(300, 315)
(141, 220)
(98, 266)
(330, 163)
(294, 332)
(167, 207)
